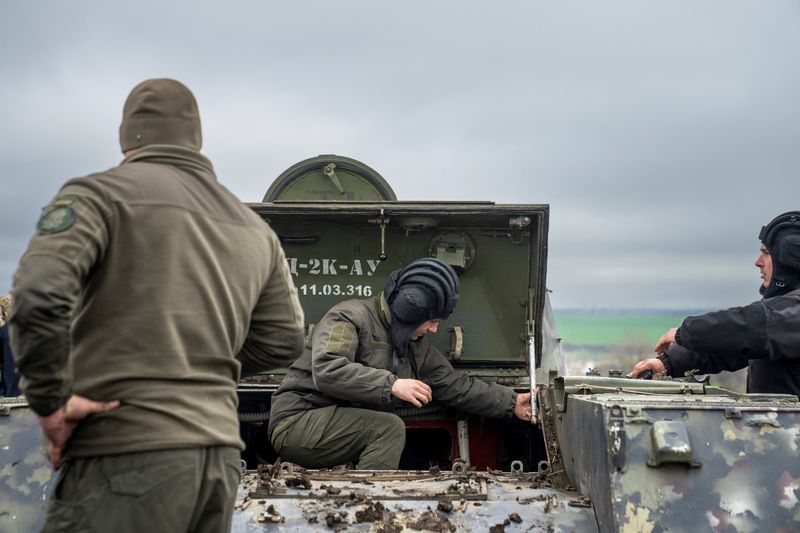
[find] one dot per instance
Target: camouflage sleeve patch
(56, 218)
(342, 339)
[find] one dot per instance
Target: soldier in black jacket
(763, 336)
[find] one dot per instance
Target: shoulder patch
(64, 200)
(342, 339)
(55, 220)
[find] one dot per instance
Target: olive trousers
(330, 436)
(175, 491)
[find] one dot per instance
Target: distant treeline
(627, 311)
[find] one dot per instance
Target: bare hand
(523, 408)
(665, 340)
(58, 426)
(413, 391)
(656, 366)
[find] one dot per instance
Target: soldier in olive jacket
(146, 292)
(335, 403)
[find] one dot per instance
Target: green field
(606, 340)
(595, 328)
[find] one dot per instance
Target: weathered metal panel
(308, 500)
(690, 462)
(26, 476)
(334, 252)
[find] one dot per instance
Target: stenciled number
(335, 290)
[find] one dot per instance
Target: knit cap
(160, 111)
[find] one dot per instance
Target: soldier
(146, 292)
(761, 336)
(334, 405)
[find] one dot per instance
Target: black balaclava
(782, 238)
(422, 290)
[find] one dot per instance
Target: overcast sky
(662, 134)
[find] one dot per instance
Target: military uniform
(334, 405)
(761, 337)
(151, 284)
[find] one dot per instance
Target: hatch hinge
(382, 221)
(530, 323)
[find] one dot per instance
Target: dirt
(380, 516)
(445, 506)
(334, 519)
(431, 521)
(356, 499)
(266, 477)
(581, 501)
(374, 512)
(556, 474)
(330, 489)
(299, 482)
(271, 515)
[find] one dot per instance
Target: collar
(171, 155)
(385, 315)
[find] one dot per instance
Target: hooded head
(160, 111)
(423, 290)
(782, 238)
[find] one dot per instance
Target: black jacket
(764, 336)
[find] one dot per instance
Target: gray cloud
(662, 134)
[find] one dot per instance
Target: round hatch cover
(330, 178)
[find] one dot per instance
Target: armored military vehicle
(606, 453)
(602, 454)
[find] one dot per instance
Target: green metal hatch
(346, 249)
(329, 178)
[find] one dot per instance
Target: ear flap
(789, 251)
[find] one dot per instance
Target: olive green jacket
(152, 284)
(348, 361)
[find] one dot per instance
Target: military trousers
(175, 491)
(330, 436)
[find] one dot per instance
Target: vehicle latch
(671, 444)
(733, 413)
(634, 415)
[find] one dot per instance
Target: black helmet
(423, 290)
(782, 238)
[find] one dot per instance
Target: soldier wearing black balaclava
(762, 336)
(367, 357)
